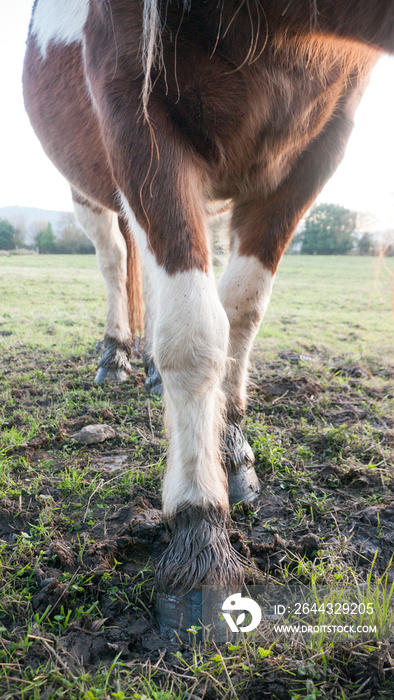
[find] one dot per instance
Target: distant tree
(8, 235)
(329, 230)
(19, 223)
(20, 237)
(365, 245)
(295, 244)
(45, 240)
(35, 228)
(71, 239)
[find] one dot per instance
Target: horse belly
(60, 109)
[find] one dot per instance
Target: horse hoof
(153, 381)
(108, 374)
(243, 484)
(114, 365)
(154, 386)
(195, 616)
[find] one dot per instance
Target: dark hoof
(107, 374)
(196, 616)
(177, 614)
(153, 381)
(196, 573)
(114, 365)
(243, 484)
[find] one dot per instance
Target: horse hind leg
(101, 226)
(244, 289)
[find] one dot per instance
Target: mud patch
(280, 387)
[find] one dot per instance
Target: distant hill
(24, 216)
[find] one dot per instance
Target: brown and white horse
(153, 110)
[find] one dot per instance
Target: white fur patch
(103, 230)
(60, 21)
(189, 344)
(190, 349)
(245, 290)
(150, 312)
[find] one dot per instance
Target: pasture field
(80, 525)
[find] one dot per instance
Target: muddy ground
(81, 528)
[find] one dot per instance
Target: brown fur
(70, 134)
(265, 130)
(223, 132)
(78, 198)
(61, 113)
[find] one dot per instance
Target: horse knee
(191, 335)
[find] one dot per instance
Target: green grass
(341, 303)
(338, 304)
(320, 421)
(56, 301)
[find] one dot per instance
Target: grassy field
(80, 526)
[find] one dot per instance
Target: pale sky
(364, 181)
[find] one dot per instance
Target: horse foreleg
(101, 226)
(189, 348)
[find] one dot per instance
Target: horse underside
(231, 110)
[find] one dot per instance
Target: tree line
(329, 229)
(69, 238)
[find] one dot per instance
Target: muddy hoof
(108, 374)
(195, 616)
(243, 484)
(153, 382)
(114, 365)
(196, 572)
